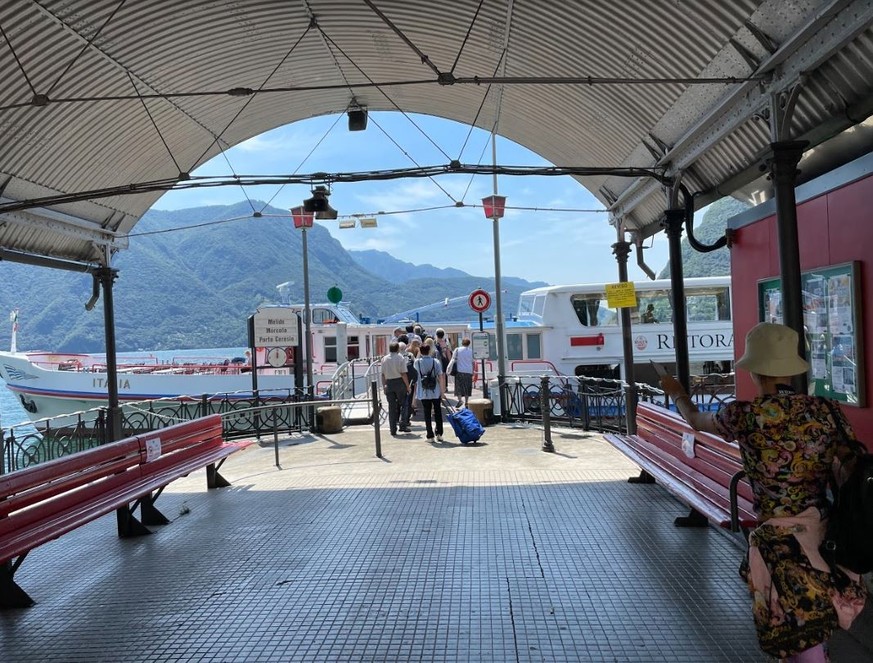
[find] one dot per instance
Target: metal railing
(597, 403)
(260, 414)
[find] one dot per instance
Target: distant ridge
(195, 287)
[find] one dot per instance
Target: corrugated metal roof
(91, 57)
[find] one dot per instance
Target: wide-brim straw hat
(771, 350)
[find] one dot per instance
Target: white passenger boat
(566, 330)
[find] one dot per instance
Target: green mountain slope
(194, 288)
(713, 225)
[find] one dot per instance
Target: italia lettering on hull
(697, 341)
(103, 383)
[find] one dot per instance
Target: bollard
(276, 437)
(545, 408)
(376, 416)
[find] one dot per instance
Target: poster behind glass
(831, 319)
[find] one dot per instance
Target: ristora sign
(275, 327)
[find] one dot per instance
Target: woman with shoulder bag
(462, 367)
(790, 445)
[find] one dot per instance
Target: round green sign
(334, 295)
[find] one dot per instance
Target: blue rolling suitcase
(466, 425)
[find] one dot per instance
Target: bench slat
(43, 502)
(701, 481)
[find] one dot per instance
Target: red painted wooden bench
(43, 502)
(699, 469)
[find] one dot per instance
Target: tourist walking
(443, 347)
(431, 387)
(790, 446)
(462, 360)
(395, 384)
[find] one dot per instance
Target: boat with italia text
(562, 330)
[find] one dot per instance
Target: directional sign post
(480, 301)
(275, 328)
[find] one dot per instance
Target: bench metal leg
(214, 479)
(128, 525)
(11, 595)
(644, 477)
(149, 514)
(693, 519)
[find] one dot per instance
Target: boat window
(525, 305)
(653, 306)
(321, 316)
(539, 305)
(534, 350)
(591, 310)
(354, 348)
(513, 346)
(703, 304)
(331, 355)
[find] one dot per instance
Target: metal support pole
(374, 390)
(783, 171)
(621, 250)
(307, 317)
(498, 323)
(673, 220)
(107, 276)
(484, 381)
(546, 409)
(307, 327)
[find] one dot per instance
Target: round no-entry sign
(480, 300)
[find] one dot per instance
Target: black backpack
(429, 381)
(848, 541)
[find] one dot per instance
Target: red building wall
(835, 227)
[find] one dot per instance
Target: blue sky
(553, 245)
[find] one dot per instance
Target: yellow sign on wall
(621, 295)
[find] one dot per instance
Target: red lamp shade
(494, 206)
(302, 218)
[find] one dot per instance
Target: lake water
(12, 413)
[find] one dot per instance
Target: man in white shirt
(395, 383)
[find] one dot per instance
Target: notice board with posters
(832, 324)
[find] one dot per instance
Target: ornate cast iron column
(783, 172)
(107, 276)
(621, 250)
(672, 224)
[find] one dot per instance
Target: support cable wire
(18, 62)
(219, 137)
(409, 156)
(86, 47)
(479, 112)
(155, 125)
(254, 93)
(396, 107)
(466, 37)
(305, 159)
(586, 81)
(385, 94)
(415, 210)
(479, 161)
(205, 224)
(197, 182)
(424, 58)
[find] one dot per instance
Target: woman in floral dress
(790, 444)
